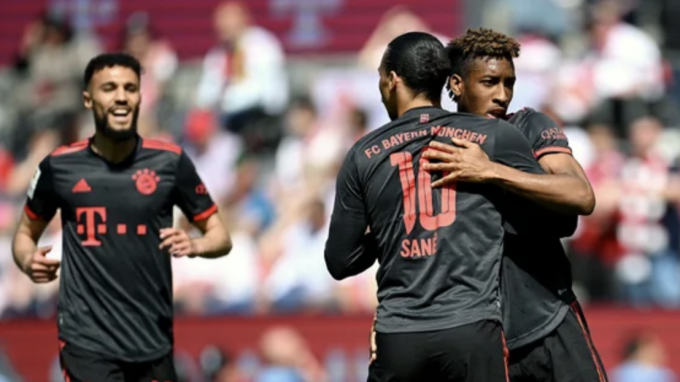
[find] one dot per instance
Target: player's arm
(350, 248)
(197, 205)
(39, 210)
(565, 188)
(512, 149)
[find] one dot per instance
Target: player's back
(439, 249)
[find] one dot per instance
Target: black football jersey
(115, 295)
(536, 272)
(439, 249)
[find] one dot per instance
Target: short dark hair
(109, 60)
(478, 43)
(420, 60)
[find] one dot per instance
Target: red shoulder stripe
(552, 149)
(72, 148)
(153, 144)
(32, 215)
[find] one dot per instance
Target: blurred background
(267, 96)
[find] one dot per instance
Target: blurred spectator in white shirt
(244, 76)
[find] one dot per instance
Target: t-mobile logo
(92, 222)
(90, 215)
(307, 30)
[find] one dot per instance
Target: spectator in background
(626, 67)
(159, 61)
(301, 124)
(650, 267)
(396, 21)
(288, 358)
(214, 152)
(244, 76)
(218, 366)
(535, 69)
(644, 360)
(49, 98)
(358, 126)
(294, 275)
(596, 245)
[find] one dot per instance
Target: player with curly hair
(439, 250)
(545, 327)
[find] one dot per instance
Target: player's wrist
(495, 173)
(197, 248)
(23, 261)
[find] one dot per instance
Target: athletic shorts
(79, 365)
(469, 353)
(565, 355)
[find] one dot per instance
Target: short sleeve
(348, 197)
(545, 136)
(41, 200)
(521, 215)
(190, 194)
(512, 149)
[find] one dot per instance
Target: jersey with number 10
(115, 296)
(439, 249)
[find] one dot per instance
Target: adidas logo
(81, 186)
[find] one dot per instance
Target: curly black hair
(109, 60)
(477, 43)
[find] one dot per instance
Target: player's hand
(178, 242)
(41, 269)
(465, 162)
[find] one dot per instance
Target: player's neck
(418, 102)
(113, 151)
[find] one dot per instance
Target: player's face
(388, 91)
(114, 98)
(487, 90)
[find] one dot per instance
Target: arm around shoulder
(513, 151)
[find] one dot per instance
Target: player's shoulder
(65, 155)
(70, 149)
(528, 118)
(159, 147)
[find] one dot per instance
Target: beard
(103, 127)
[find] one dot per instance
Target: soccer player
(116, 193)
(439, 250)
(546, 330)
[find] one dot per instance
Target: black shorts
(79, 365)
(470, 353)
(565, 355)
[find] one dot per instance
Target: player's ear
(455, 86)
(87, 99)
(392, 80)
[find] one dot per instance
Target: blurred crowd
(268, 150)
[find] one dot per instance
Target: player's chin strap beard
(102, 126)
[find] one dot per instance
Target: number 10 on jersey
(424, 211)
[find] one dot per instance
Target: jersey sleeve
(190, 194)
(523, 216)
(349, 249)
(512, 149)
(41, 200)
(545, 136)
